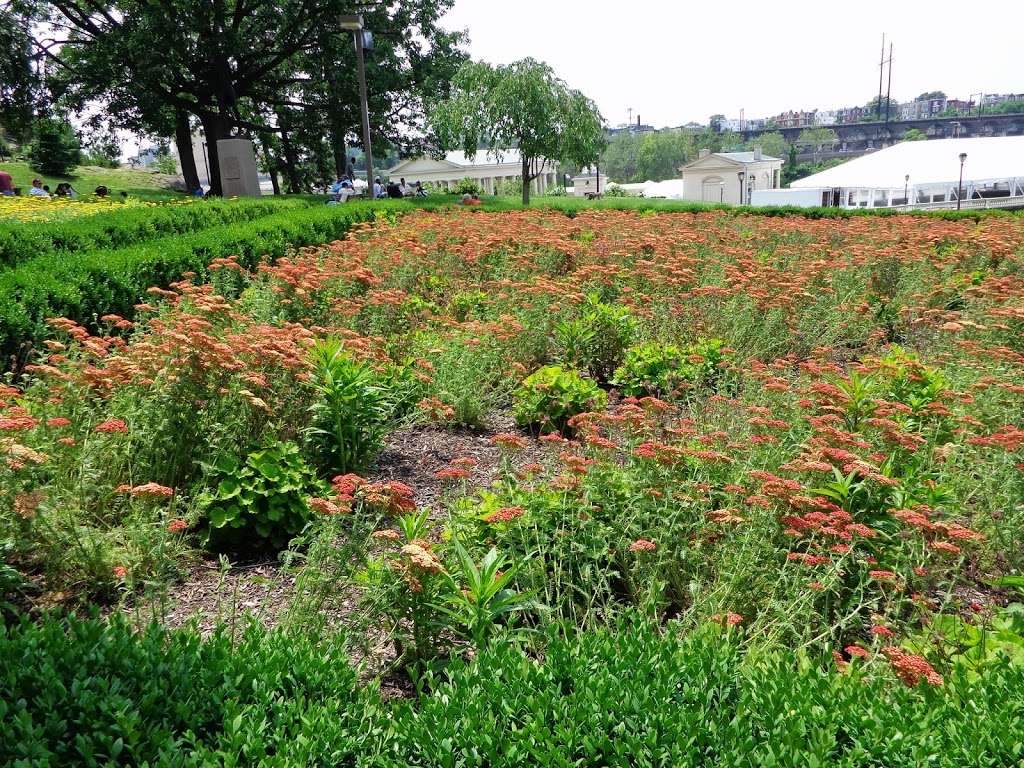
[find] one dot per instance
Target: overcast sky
(674, 61)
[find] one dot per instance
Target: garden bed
(547, 468)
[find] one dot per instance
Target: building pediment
(710, 162)
(414, 165)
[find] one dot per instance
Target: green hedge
(82, 286)
(125, 226)
(573, 205)
(88, 693)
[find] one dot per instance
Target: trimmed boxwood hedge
(125, 226)
(84, 286)
(85, 692)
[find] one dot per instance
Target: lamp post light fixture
(721, 191)
(354, 23)
(906, 186)
(960, 185)
(740, 176)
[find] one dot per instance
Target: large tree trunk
(272, 170)
(338, 149)
(269, 162)
(215, 127)
(183, 140)
(526, 181)
(290, 163)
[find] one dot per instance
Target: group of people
(401, 189)
(344, 188)
(39, 189)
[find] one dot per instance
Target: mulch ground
(213, 593)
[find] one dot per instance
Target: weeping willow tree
(522, 105)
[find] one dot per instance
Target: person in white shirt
(37, 189)
(405, 189)
(378, 189)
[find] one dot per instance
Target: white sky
(674, 61)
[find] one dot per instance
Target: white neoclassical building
(487, 168)
(730, 177)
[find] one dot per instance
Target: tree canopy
(251, 67)
(652, 156)
(19, 80)
(522, 105)
(772, 144)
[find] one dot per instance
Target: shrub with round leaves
(551, 396)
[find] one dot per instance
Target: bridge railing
(1016, 201)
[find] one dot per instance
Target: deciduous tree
(222, 61)
(521, 105)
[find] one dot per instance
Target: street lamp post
(906, 186)
(354, 24)
(721, 191)
(960, 185)
(740, 176)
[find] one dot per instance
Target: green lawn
(140, 183)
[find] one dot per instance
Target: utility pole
(888, 89)
(354, 24)
(881, 66)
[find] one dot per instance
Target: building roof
(926, 162)
(453, 160)
(484, 157)
(732, 158)
(744, 157)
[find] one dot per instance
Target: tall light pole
(960, 185)
(354, 24)
(906, 186)
(740, 176)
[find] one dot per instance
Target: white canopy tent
(994, 168)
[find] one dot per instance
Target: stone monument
(238, 175)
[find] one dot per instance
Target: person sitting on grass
(341, 190)
(66, 190)
(6, 184)
(420, 191)
(101, 191)
(468, 199)
(37, 189)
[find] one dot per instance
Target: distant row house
(992, 99)
(922, 109)
(794, 119)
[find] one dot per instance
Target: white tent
(926, 162)
(671, 189)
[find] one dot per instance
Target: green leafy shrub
(550, 396)
(258, 503)
(467, 187)
(615, 191)
(164, 163)
(98, 693)
(350, 412)
(479, 598)
(83, 285)
(597, 340)
(667, 370)
(126, 225)
(510, 188)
